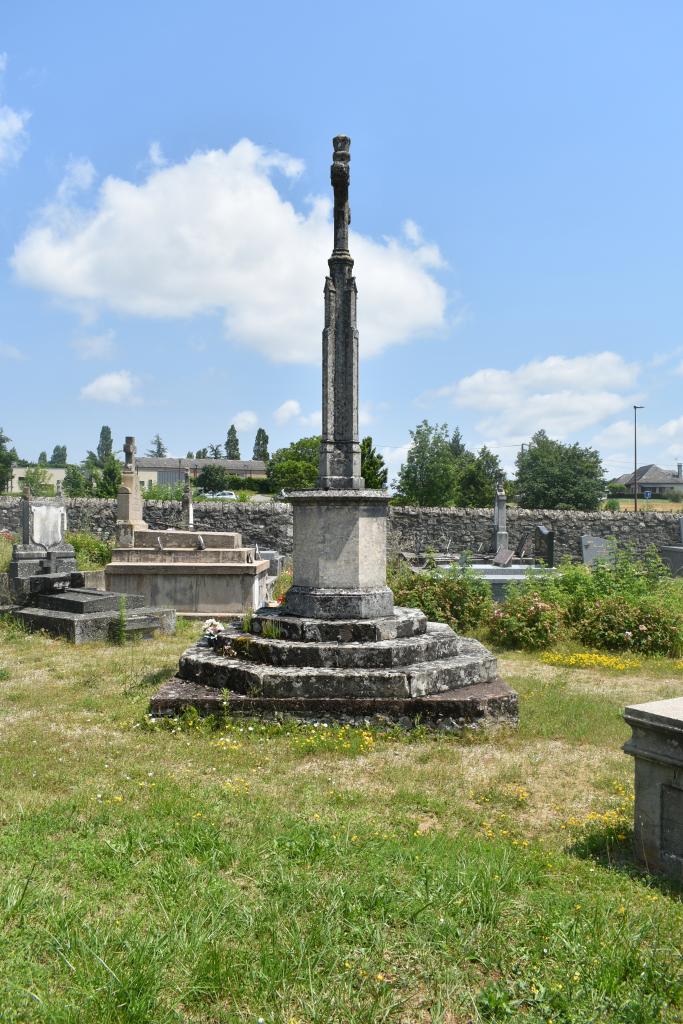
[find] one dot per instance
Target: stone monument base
(398, 668)
(657, 749)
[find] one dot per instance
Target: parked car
(225, 495)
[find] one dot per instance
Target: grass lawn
(651, 505)
(298, 874)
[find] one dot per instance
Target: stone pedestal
(340, 568)
(657, 747)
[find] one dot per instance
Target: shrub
(7, 539)
(282, 585)
(91, 552)
(612, 505)
(455, 596)
(648, 626)
(526, 620)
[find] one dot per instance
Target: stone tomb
(198, 574)
(338, 649)
(49, 593)
(657, 748)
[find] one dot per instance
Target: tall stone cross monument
(340, 528)
(340, 448)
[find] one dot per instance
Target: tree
(213, 478)
(42, 459)
(6, 460)
(372, 466)
(201, 453)
(104, 446)
(215, 451)
(555, 475)
(296, 467)
(429, 476)
(77, 484)
(232, 443)
(190, 455)
(456, 444)
(478, 476)
(110, 479)
(157, 448)
(58, 457)
(38, 479)
(261, 445)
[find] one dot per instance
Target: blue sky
(517, 216)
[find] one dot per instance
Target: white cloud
(11, 352)
(97, 346)
(78, 176)
(214, 234)
(394, 457)
(287, 411)
(155, 155)
(679, 369)
(313, 420)
(119, 386)
(246, 420)
(13, 134)
(560, 395)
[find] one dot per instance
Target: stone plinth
(340, 555)
(657, 747)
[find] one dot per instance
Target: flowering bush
(526, 620)
(455, 596)
(647, 626)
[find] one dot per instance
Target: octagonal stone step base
(442, 669)
(404, 622)
(481, 704)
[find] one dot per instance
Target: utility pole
(635, 455)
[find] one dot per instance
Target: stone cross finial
(340, 176)
(340, 448)
(129, 451)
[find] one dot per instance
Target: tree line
(439, 470)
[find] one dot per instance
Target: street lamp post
(635, 455)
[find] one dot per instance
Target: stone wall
(269, 524)
(460, 529)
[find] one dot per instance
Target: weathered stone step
(84, 601)
(404, 622)
(172, 555)
(202, 665)
(185, 539)
(438, 642)
(98, 625)
(477, 705)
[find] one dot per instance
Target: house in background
(55, 477)
(654, 479)
(151, 470)
(167, 472)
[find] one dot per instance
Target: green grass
(218, 873)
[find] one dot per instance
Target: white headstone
(48, 524)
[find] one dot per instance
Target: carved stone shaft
(340, 448)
